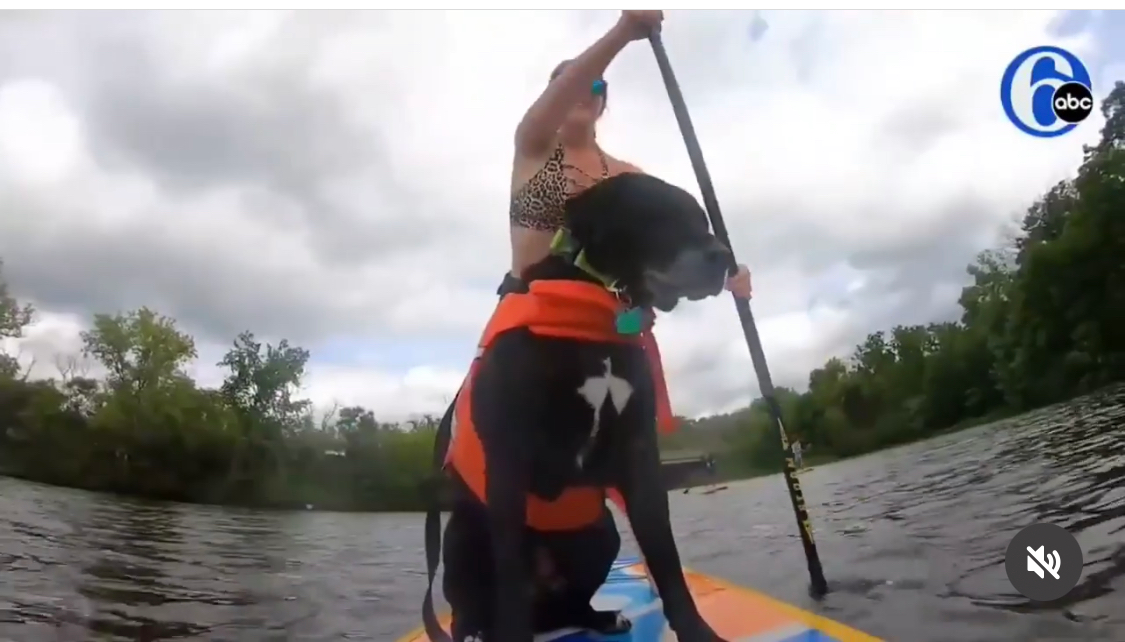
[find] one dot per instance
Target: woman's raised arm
(537, 129)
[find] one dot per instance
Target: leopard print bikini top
(539, 204)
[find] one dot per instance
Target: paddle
(818, 585)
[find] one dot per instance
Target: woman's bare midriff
(529, 247)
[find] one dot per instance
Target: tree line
(1042, 320)
(146, 428)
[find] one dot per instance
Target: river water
(912, 539)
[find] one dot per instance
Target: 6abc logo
(1046, 92)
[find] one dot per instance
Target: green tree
(14, 317)
(260, 386)
(140, 350)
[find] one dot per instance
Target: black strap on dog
(433, 524)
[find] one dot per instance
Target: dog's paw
(605, 622)
(621, 624)
(463, 632)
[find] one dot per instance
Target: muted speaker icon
(1038, 562)
(1033, 562)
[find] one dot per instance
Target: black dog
(554, 413)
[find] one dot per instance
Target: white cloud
(40, 136)
(837, 136)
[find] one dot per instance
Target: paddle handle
(818, 585)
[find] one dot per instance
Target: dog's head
(651, 237)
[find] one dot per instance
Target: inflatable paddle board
(736, 613)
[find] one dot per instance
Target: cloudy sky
(340, 179)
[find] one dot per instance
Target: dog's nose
(718, 256)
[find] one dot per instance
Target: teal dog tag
(630, 321)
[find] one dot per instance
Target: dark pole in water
(816, 572)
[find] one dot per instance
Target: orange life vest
(564, 309)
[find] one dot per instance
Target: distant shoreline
(714, 480)
(816, 460)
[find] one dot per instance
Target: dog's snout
(718, 255)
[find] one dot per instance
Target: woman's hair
(605, 86)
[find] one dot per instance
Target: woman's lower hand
(739, 284)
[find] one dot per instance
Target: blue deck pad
(633, 595)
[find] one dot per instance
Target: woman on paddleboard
(557, 156)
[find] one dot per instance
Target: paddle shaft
(818, 584)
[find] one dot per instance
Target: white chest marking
(595, 390)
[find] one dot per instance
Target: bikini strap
(559, 155)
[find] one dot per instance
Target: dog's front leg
(509, 472)
(646, 503)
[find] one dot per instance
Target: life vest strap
(432, 529)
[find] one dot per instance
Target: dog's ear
(608, 221)
(598, 214)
